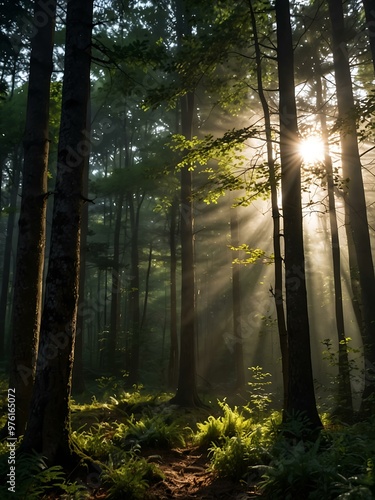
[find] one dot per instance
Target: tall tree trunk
(186, 394)
(28, 286)
(345, 403)
(301, 396)
(236, 302)
(78, 378)
(355, 202)
(134, 295)
(48, 426)
(173, 350)
(278, 292)
(147, 287)
(8, 252)
(111, 360)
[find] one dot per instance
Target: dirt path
(187, 477)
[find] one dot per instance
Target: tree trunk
(186, 394)
(236, 302)
(78, 378)
(111, 360)
(345, 403)
(134, 304)
(278, 292)
(355, 202)
(48, 427)
(301, 396)
(173, 351)
(147, 287)
(8, 254)
(28, 285)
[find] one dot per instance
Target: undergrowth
(247, 443)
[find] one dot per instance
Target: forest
(187, 200)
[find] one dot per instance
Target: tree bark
(48, 427)
(301, 396)
(134, 295)
(4, 296)
(78, 377)
(28, 285)
(345, 403)
(236, 302)
(111, 361)
(186, 394)
(173, 350)
(278, 292)
(354, 194)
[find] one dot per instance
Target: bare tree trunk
(236, 302)
(48, 426)
(28, 286)
(355, 202)
(147, 288)
(345, 403)
(134, 296)
(187, 394)
(301, 396)
(4, 296)
(278, 292)
(173, 352)
(111, 361)
(78, 378)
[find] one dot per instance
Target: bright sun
(311, 149)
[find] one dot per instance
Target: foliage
(34, 479)
(299, 473)
(150, 431)
(216, 429)
(332, 357)
(337, 465)
(252, 254)
(130, 480)
(97, 441)
(235, 456)
(260, 398)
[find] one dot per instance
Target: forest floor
(187, 476)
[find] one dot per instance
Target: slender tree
(187, 394)
(114, 325)
(8, 248)
(78, 377)
(345, 403)
(278, 292)
(237, 305)
(134, 285)
(28, 283)
(48, 426)
(301, 396)
(354, 194)
(173, 351)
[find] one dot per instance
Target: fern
(132, 479)
(34, 479)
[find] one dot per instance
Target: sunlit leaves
(252, 255)
(201, 151)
